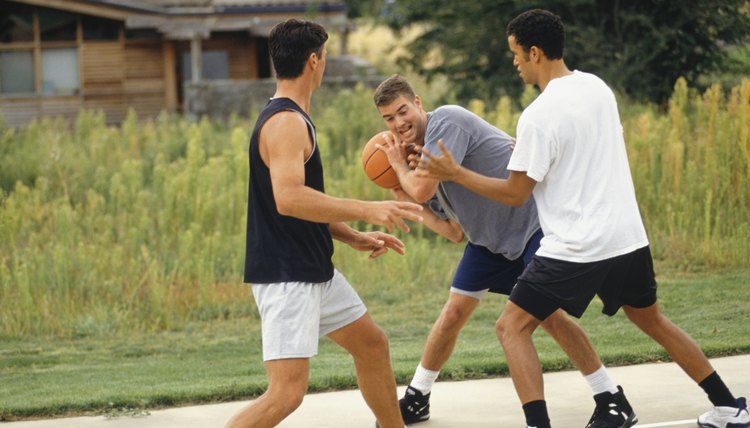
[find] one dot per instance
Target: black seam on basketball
(381, 174)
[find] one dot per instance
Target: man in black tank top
(290, 226)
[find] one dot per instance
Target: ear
(418, 101)
(535, 54)
(312, 60)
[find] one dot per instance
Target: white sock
(423, 379)
(599, 381)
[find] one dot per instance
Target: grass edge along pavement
(126, 375)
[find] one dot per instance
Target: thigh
(288, 377)
(549, 284)
(480, 270)
(290, 319)
(631, 282)
(362, 338)
(340, 305)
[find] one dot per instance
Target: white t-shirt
(570, 141)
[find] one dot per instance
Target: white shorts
(294, 315)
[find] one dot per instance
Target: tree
(640, 47)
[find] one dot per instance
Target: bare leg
(443, 335)
(514, 329)
(287, 383)
(681, 348)
(368, 345)
(573, 340)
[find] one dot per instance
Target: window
(16, 72)
(16, 24)
(100, 29)
(142, 34)
(55, 25)
(39, 49)
(60, 71)
(215, 65)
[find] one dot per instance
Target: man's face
(405, 119)
(522, 61)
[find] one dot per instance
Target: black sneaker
(415, 406)
(612, 411)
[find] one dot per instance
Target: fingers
(378, 252)
(393, 243)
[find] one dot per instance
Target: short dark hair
(540, 28)
(391, 88)
(292, 42)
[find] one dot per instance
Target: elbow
(284, 206)
(457, 237)
(517, 201)
(421, 197)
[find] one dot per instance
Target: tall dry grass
(105, 230)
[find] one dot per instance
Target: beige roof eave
(188, 27)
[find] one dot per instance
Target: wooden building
(58, 56)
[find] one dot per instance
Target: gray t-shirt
(484, 149)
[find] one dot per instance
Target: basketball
(376, 165)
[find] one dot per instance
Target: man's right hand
(392, 213)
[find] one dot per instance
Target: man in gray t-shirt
(479, 146)
(501, 239)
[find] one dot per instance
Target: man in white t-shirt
(570, 154)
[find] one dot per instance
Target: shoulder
(452, 116)
(451, 112)
(285, 121)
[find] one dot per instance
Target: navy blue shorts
(548, 284)
(480, 269)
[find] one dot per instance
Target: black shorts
(549, 284)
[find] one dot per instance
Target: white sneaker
(726, 417)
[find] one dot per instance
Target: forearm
(341, 231)
(419, 188)
(309, 204)
(450, 230)
(497, 189)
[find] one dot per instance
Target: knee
(505, 329)
(514, 324)
(451, 319)
(376, 346)
(285, 399)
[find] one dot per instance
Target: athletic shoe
(612, 411)
(726, 417)
(415, 406)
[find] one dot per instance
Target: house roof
(214, 7)
(187, 19)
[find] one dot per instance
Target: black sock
(536, 414)
(717, 391)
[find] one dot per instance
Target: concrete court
(661, 394)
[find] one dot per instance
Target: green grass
(220, 361)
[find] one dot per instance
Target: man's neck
(296, 90)
(554, 69)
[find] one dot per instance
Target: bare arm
(513, 191)
(284, 146)
(421, 189)
(449, 229)
(378, 243)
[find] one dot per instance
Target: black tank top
(282, 248)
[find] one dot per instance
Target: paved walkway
(661, 394)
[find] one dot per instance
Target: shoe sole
(730, 425)
(422, 419)
(632, 420)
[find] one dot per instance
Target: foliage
(640, 47)
(107, 230)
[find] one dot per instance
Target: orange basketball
(376, 165)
